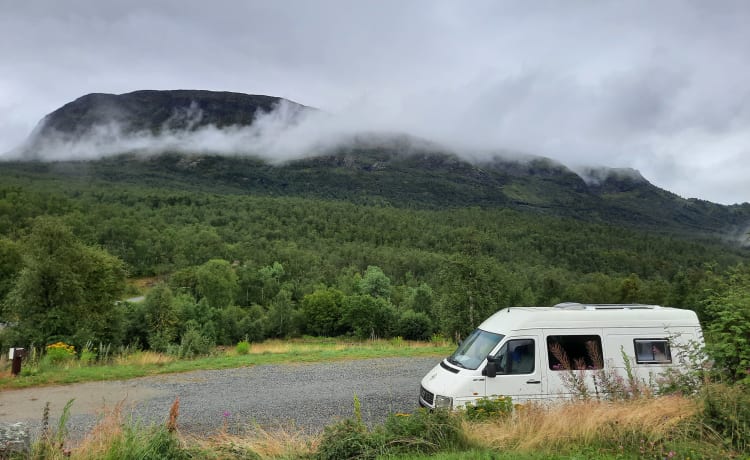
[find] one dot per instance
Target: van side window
(651, 351)
(516, 357)
(566, 352)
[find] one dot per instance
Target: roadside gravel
(304, 396)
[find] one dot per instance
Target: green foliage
(419, 433)
(421, 299)
(10, 264)
(242, 245)
(413, 325)
(217, 282)
(728, 330)
(489, 407)
(88, 354)
(476, 287)
(726, 411)
(161, 317)
(156, 443)
(322, 311)
(691, 372)
(374, 283)
(243, 347)
(65, 289)
(347, 439)
(193, 343)
(58, 354)
(270, 280)
(282, 319)
(369, 317)
(51, 444)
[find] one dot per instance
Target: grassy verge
(672, 428)
(139, 364)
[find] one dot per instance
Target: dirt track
(307, 396)
(90, 398)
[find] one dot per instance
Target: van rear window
(652, 351)
(566, 352)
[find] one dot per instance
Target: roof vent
(579, 306)
(570, 306)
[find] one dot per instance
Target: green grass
(294, 352)
(486, 454)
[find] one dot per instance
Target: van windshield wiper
(456, 363)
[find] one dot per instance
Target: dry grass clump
(280, 443)
(107, 430)
(302, 346)
(144, 358)
(557, 427)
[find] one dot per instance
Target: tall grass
(672, 427)
(260, 443)
(648, 424)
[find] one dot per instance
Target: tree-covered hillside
(233, 262)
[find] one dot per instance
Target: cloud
(660, 87)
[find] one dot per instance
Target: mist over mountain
(241, 143)
(98, 125)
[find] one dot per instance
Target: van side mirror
(490, 370)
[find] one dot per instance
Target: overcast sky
(659, 86)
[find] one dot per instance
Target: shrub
(193, 343)
(243, 347)
(88, 355)
(414, 326)
(155, 444)
(692, 371)
(484, 408)
(347, 439)
(726, 411)
(421, 432)
(60, 353)
(369, 317)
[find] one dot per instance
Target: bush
(59, 353)
(484, 408)
(726, 411)
(155, 444)
(347, 439)
(243, 347)
(369, 317)
(414, 326)
(193, 343)
(421, 432)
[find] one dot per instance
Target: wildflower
(226, 414)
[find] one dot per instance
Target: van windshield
(474, 349)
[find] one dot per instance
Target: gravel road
(306, 396)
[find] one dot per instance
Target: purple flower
(226, 414)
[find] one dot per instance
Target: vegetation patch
(672, 427)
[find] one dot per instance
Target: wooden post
(16, 355)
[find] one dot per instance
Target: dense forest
(221, 266)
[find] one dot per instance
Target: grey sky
(663, 87)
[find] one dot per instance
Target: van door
(520, 373)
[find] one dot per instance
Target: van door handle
(533, 381)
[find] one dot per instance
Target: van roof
(580, 316)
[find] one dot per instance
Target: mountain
(388, 170)
(151, 112)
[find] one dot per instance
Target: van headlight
(443, 402)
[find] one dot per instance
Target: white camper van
(517, 352)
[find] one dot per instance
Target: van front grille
(426, 396)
